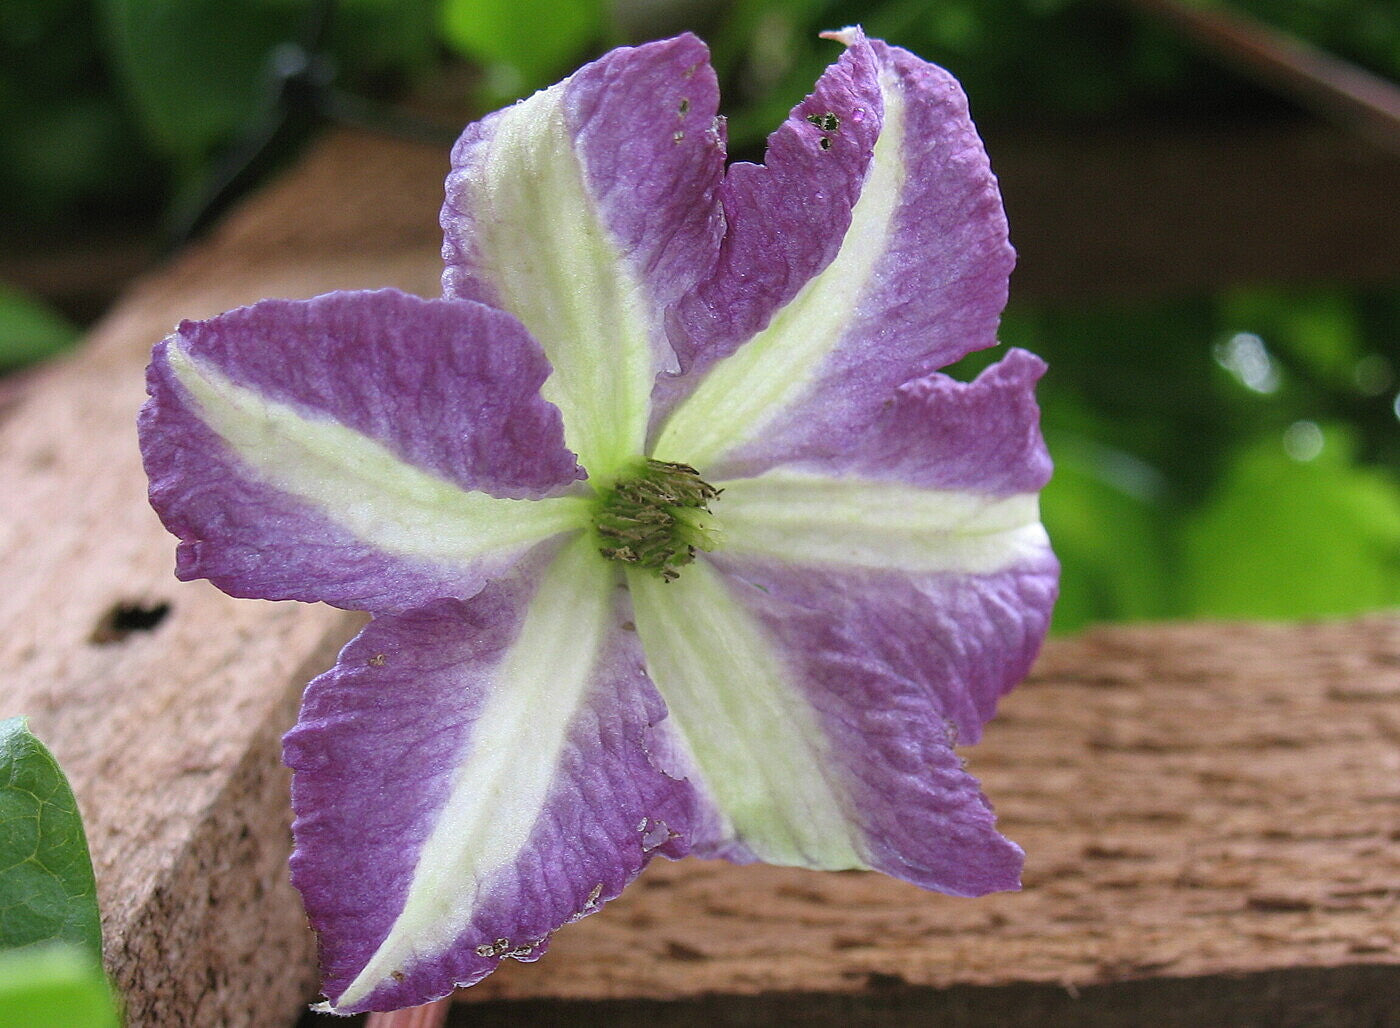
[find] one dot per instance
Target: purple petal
(922, 540)
(894, 593)
(814, 710)
(961, 640)
(642, 123)
(940, 433)
(652, 148)
(587, 210)
(919, 280)
(899, 668)
(455, 806)
(439, 396)
(784, 218)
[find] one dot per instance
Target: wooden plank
(171, 734)
(1211, 815)
(1129, 212)
(1199, 802)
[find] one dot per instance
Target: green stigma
(656, 518)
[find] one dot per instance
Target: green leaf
(29, 331)
(1108, 535)
(54, 987)
(195, 70)
(47, 891)
(1320, 327)
(523, 44)
(1285, 538)
(201, 74)
(377, 38)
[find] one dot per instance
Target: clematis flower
(675, 541)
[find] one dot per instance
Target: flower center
(656, 518)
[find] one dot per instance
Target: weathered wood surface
(1211, 815)
(1114, 214)
(1212, 812)
(171, 735)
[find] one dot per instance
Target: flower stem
(429, 1015)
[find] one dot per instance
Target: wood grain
(1212, 812)
(170, 734)
(1131, 212)
(1211, 815)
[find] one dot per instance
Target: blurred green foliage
(115, 104)
(69, 146)
(30, 330)
(1227, 457)
(55, 987)
(1233, 455)
(523, 45)
(203, 76)
(200, 72)
(1294, 528)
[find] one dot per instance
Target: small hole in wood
(126, 617)
(879, 981)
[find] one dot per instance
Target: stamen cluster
(656, 518)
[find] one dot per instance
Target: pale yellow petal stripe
(809, 519)
(759, 381)
(538, 240)
(761, 753)
(500, 789)
(359, 484)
